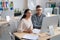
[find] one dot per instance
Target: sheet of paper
(51, 30)
(29, 36)
(37, 31)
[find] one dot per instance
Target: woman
(26, 23)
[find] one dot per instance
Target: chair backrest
(56, 10)
(12, 36)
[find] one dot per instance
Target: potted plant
(17, 12)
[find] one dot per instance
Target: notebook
(31, 37)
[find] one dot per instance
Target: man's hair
(38, 6)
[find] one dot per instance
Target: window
(31, 4)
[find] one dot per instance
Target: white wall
(58, 2)
(22, 4)
(19, 4)
(43, 3)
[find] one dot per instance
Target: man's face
(39, 10)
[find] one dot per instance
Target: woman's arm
(20, 27)
(29, 30)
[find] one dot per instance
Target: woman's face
(28, 14)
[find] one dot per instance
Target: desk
(2, 23)
(43, 36)
(20, 35)
(51, 15)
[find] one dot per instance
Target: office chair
(12, 36)
(56, 10)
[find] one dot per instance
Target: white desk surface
(43, 36)
(3, 22)
(51, 15)
(1, 26)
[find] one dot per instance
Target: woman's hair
(24, 16)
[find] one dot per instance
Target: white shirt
(25, 24)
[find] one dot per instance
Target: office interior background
(13, 10)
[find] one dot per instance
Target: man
(37, 18)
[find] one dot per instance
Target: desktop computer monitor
(47, 21)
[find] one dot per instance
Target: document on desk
(36, 31)
(31, 37)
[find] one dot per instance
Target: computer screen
(47, 21)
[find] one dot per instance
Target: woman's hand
(28, 30)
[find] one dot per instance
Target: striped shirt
(37, 20)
